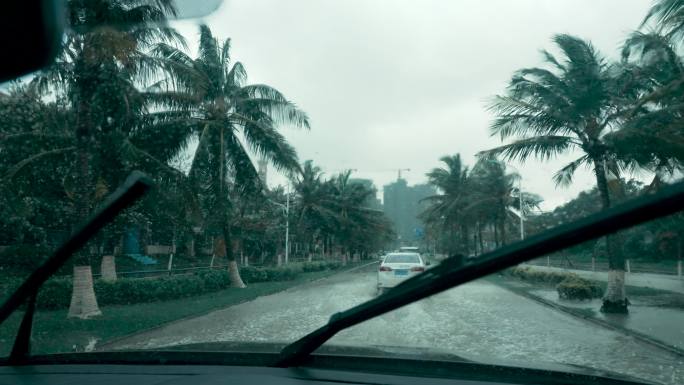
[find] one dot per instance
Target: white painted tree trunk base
(615, 300)
(83, 301)
(108, 268)
(234, 275)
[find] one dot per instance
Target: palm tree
(221, 108)
(570, 107)
(653, 134)
(496, 197)
(668, 15)
(485, 196)
(97, 73)
(445, 210)
(313, 218)
(354, 222)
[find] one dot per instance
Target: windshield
(270, 129)
(402, 258)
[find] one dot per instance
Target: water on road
(477, 320)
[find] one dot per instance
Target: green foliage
(539, 277)
(568, 285)
(577, 288)
(336, 212)
(22, 259)
(264, 274)
(56, 292)
(483, 202)
(285, 273)
(321, 266)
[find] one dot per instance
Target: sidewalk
(657, 316)
(656, 281)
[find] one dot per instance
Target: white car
(397, 267)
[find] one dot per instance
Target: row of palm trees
(475, 209)
(123, 95)
(617, 116)
(335, 215)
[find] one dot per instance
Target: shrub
(22, 258)
(56, 292)
(313, 266)
(250, 274)
(283, 273)
(578, 289)
(537, 276)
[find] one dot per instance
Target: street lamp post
(522, 212)
(287, 224)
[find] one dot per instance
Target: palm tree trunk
(466, 239)
(227, 245)
(83, 302)
(233, 271)
(615, 300)
(108, 268)
(479, 237)
(496, 235)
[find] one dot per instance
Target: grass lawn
(53, 332)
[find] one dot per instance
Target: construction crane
(400, 170)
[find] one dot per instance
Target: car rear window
(403, 258)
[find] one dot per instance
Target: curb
(120, 338)
(634, 334)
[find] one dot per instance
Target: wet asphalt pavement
(478, 320)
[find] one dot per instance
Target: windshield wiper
(451, 272)
(132, 189)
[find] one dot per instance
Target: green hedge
(536, 276)
(56, 292)
(22, 259)
(579, 289)
(251, 274)
(568, 285)
(321, 265)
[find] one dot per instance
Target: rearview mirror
(427, 263)
(30, 31)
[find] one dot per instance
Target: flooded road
(477, 320)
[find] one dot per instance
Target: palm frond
(564, 176)
(540, 147)
(516, 117)
(668, 16)
(246, 176)
(14, 170)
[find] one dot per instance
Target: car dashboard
(200, 368)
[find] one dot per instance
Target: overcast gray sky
(392, 84)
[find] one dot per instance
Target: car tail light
(418, 268)
(385, 268)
